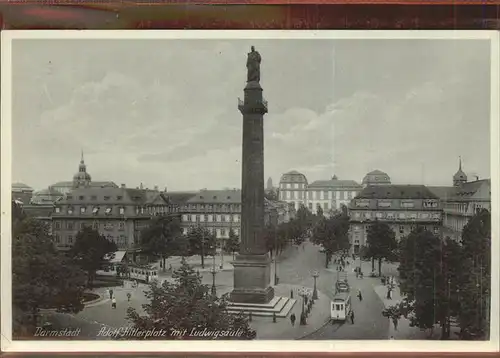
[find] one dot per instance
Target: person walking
(128, 296)
(110, 294)
(395, 323)
(113, 303)
(360, 296)
(352, 317)
(292, 319)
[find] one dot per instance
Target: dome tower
(82, 178)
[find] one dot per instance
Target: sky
(165, 112)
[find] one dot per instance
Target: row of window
(388, 215)
(93, 197)
(401, 229)
(292, 186)
(109, 210)
(402, 204)
(222, 232)
(120, 240)
(95, 225)
(210, 218)
(318, 195)
(213, 207)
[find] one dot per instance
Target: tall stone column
(252, 265)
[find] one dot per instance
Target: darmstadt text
(41, 332)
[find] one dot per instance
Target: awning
(115, 257)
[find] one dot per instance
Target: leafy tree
(271, 195)
(475, 290)
(232, 244)
(159, 238)
(319, 212)
(187, 305)
(270, 238)
(294, 231)
(18, 213)
(305, 218)
(381, 242)
(422, 278)
(42, 277)
(201, 242)
(89, 251)
(331, 234)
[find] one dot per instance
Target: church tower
(460, 177)
(82, 178)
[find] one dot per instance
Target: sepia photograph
(238, 186)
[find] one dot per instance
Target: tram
(340, 307)
(143, 274)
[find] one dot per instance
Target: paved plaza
(295, 268)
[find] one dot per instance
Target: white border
(8, 345)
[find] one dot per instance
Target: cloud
(166, 112)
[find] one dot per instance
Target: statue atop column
(253, 65)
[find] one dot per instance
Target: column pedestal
(252, 279)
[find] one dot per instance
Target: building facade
(402, 207)
(330, 195)
(219, 211)
(120, 214)
(461, 201)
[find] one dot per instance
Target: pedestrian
(352, 317)
(128, 296)
(360, 296)
(292, 319)
(110, 294)
(113, 303)
(395, 323)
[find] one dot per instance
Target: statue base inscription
(252, 276)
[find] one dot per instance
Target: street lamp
(213, 271)
(276, 278)
(315, 291)
(221, 255)
(303, 293)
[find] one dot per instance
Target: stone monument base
(252, 279)
(278, 306)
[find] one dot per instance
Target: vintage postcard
(334, 190)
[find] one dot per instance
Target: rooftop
(396, 192)
(334, 184)
(112, 196)
(21, 186)
(465, 190)
(216, 196)
(376, 172)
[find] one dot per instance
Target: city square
(402, 253)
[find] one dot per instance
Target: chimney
(123, 186)
(165, 189)
(156, 187)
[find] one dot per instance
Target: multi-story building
(120, 214)
(220, 212)
(461, 201)
(292, 188)
(21, 192)
(330, 195)
(403, 207)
